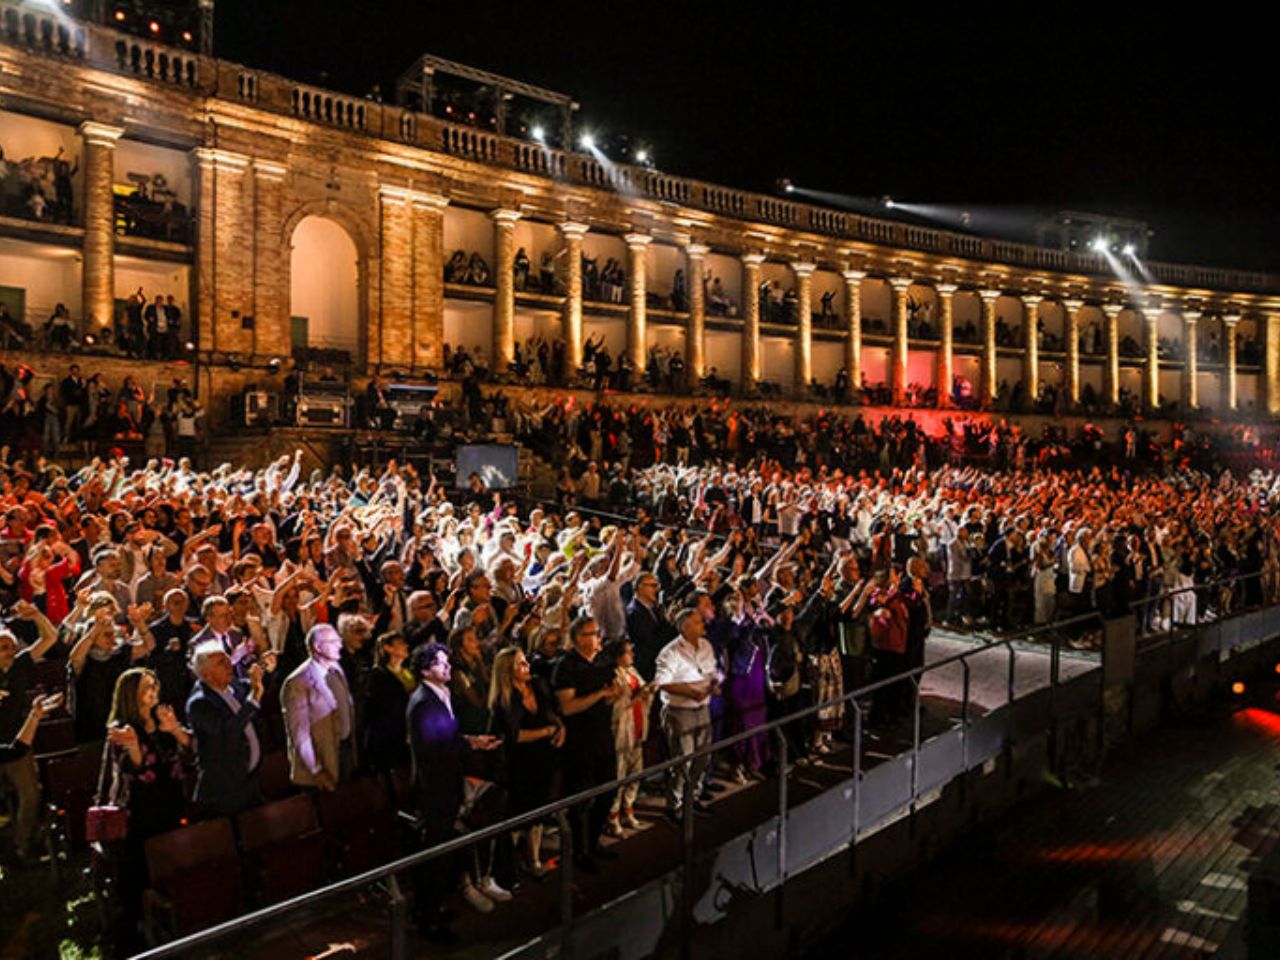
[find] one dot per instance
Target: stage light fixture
(1130, 250)
(1098, 245)
(189, 347)
(887, 202)
(538, 134)
(154, 26)
(1237, 688)
(587, 142)
(642, 156)
(186, 35)
(119, 16)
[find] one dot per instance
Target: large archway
(324, 287)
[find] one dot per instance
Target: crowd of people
(703, 568)
(150, 329)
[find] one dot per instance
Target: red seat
(70, 784)
(359, 825)
(283, 847)
(196, 873)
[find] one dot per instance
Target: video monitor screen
(497, 464)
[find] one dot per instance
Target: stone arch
(330, 287)
(356, 232)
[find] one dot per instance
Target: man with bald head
(319, 714)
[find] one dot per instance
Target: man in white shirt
(602, 587)
(687, 677)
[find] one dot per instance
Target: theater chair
(70, 780)
(359, 825)
(273, 776)
(195, 880)
(283, 848)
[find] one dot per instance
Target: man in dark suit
(216, 613)
(439, 757)
(222, 712)
(647, 627)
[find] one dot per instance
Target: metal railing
(854, 701)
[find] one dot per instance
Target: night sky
(1044, 108)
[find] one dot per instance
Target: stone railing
(44, 30)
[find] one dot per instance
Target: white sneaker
(479, 902)
(489, 887)
(630, 822)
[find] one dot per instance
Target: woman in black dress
(532, 732)
(386, 744)
(148, 753)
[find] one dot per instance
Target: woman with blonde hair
(532, 732)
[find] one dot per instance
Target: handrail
(557, 808)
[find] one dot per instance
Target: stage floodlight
(538, 134)
(1098, 245)
(1130, 250)
(642, 156)
(587, 142)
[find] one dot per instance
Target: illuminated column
(804, 326)
(571, 235)
(391, 326)
(1112, 378)
(1230, 321)
(223, 273)
(1190, 383)
(751, 319)
(1031, 358)
(637, 246)
(853, 344)
(695, 337)
(1273, 363)
(98, 274)
(504, 306)
(272, 334)
(428, 278)
(1151, 371)
(898, 359)
(1073, 308)
(946, 351)
(988, 381)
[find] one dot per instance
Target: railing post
(566, 884)
(782, 821)
(397, 915)
(686, 866)
(964, 716)
(1013, 656)
(857, 769)
(917, 683)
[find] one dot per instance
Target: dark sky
(1044, 107)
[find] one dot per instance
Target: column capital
(854, 276)
(753, 259)
(637, 241)
(1073, 304)
(210, 158)
(504, 217)
(803, 270)
(1231, 319)
(1152, 310)
(991, 296)
(1112, 310)
(269, 170)
(1032, 299)
(696, 251)
(422, 200)
(901, 284)
(100, 134)
(571, 229)
(1191, 317)
(946, 289)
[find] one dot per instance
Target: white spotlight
(538, 134)
(1098, 245)
(1130, 250)
(587, 142)
(642, 156)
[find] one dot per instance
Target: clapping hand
(166, 719)
(123, 736)
(25, 610)
(43, 706)
(256, 687)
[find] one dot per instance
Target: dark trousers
(584, 769)
(436, 879)
(890, 703)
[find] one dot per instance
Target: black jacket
(439, 757)
(225, 784)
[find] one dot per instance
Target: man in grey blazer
(319, 715)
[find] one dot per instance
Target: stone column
(637, 312)
(1151, 370)
(804, 326)
(853, 344)
(1273, 363)
(1073, 308)
(428, 278)
(1031, 356)
(751, 367)
(1111, 382)
(273, 336)
(97, 305)
(1191, 367)
(1231, 321)
(988, 379)
(391, 330)
(571, 236)
(898, 356)
(695, 336)
(946, 350)
(504, 304)
(223, 273)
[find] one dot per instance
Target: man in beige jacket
(319, 715)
